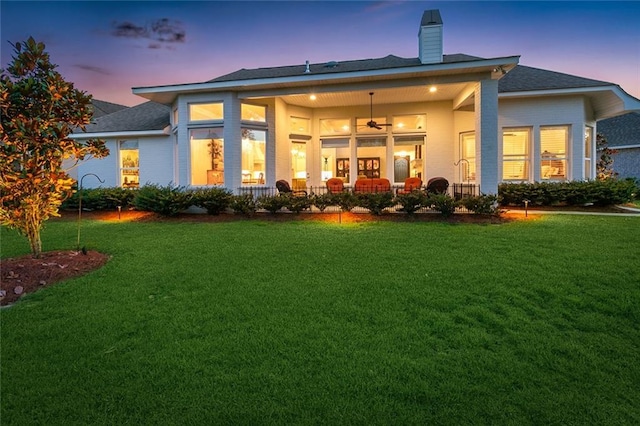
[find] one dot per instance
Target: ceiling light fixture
(433, 89)
(312, 97)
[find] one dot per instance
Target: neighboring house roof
(102, 108)
(621, 131)
(387, 62)
(147, 116)
(524, 79)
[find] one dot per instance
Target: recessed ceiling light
(433, 89)
(312, 97)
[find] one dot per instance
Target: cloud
(160, 32)
(129, 30)
(92, 68)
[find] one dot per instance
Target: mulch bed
(22, 275)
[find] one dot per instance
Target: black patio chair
(437, 185)
(283, 187)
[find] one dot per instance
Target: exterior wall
(464, 121)
(441, 142)
(106, 168)
(626, 162)
(156, 160)
(534, 113)
(156, 163)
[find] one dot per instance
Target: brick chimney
(430, 37)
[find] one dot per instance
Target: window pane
(553, 147)
(253, 113)
(330, 126)
(206, 112)
(253, 156)
(207, 156)
(299, 125)
(335, 155)
(468, 156)
(129, 164)
(515, 150)
(409, 123)
(299, 165)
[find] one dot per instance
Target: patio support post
(486, 109)
(232, 142)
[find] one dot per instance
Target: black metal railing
(457, 190)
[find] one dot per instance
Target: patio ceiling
(383, 96)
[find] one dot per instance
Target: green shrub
(599, 192)
(165, 200)
(443, 203)
(297, 203)
(100, 198)
(214, 200)
(376, 202)
(412, 201)
(271, 203)
(243, 204)
(482, 204)
(346, 200)
(322, 201)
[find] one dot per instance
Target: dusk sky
(106, 48)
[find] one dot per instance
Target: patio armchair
(335, 185)
(410, 184)
(437, 185)
(283, 187)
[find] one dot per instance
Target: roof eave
(121, 134)
(608, 101)
(167, 94)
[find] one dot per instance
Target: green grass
(534, 322)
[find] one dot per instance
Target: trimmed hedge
(100, 199)
(214, 200)
(598, 192)
(165, 200)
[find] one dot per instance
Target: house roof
(523, 79)
(387, 62)
(622, 130)
(144, 117)
(101, 108)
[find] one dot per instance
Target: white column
(486, 108)
(232, 143)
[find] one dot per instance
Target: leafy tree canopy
(39, 110)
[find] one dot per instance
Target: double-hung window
(516, 154)
(553, 152)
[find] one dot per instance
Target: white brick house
(478, 121)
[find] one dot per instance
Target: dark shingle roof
(146, 116)
(101, 108)
(522, 79)
(390, 61)
(621, 130)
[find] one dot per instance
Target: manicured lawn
(533, 322)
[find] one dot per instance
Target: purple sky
(106, 48)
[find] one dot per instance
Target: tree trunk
(33, 225)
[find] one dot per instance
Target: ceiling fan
(372, 123)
